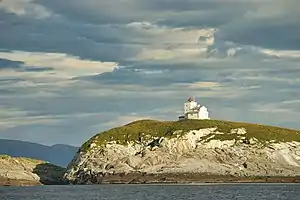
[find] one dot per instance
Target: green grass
(2, 156)
(134, 130)
(34, 161)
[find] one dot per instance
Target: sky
(70, 69)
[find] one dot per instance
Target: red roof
(190, 99)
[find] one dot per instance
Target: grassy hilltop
(133, 131)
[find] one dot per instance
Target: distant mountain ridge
(58, 154)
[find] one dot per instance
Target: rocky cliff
(186, 151)
(18, 171)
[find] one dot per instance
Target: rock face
(235, 153)
(25, 171)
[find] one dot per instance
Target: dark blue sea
(155, 192)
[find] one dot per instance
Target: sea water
(155, 192)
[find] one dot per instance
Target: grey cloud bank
(73, 68)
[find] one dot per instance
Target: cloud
(282, 53)
(20, 67)
(64, 65)
(272, 25)
(87, 66)
(25, 8)
(273, 108)
(199, 85)
(196, 13)
(12, 117)
(119, 121)
(59, 35)
(42, 75)
(143, 26)
(222, 85)
(8, 64)
(292, 102)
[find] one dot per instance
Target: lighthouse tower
(193, 110)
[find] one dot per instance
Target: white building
(193, 110)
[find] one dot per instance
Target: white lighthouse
(193, 110)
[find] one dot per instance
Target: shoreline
(179, 178)
(161, 179)
(18, 182)
(28, 183)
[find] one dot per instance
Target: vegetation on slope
(31, 161)
(135, 130)
(24, 159)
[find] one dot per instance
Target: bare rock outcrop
(201, 151)
(20, 171)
